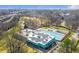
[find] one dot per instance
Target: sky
(39, 6)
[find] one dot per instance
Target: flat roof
(40, 38)
(43, 38)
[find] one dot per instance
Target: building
(41, 39)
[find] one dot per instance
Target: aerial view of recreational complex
(39, 29)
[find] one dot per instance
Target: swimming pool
(58, 36)
(44, 39)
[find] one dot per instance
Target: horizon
(39, 6)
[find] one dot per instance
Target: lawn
(56, 27)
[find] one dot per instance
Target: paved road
(55, 48)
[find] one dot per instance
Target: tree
(77, 42)
(67, 46)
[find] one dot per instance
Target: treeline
(56, 17)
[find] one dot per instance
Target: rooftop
(40, 38)
(43, 37)
(37, 37)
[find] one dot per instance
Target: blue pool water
(58, 36)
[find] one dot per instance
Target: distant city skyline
(39, 6)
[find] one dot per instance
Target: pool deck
(56, 33)
(59, 35)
